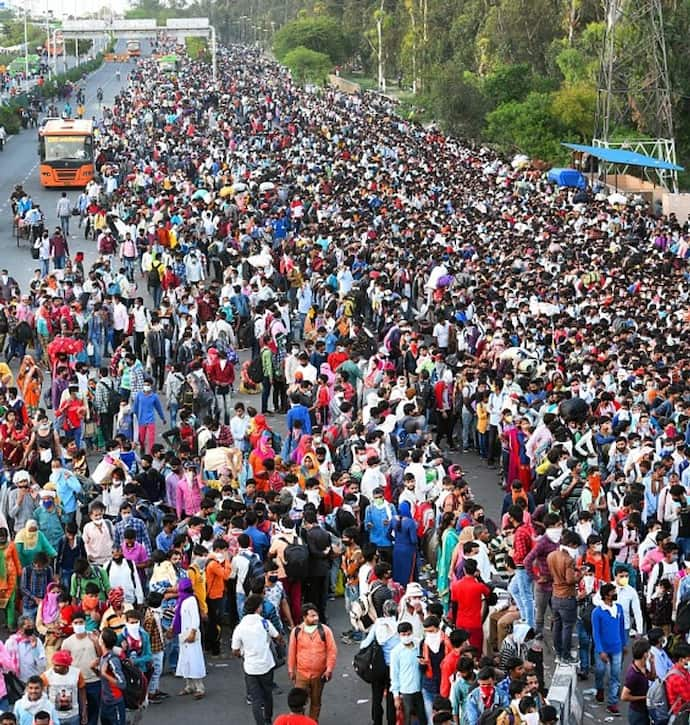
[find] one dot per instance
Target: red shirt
(449, 665)
(523, 541)
(468, 594)
(677, 688)
(293, 719)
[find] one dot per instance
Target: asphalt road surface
(19, 164)
(346, 698)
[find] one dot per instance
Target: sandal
(184, 692)
(199, 695)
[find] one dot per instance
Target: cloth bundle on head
(116, 597)
(62, 658)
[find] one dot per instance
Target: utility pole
(26, 44)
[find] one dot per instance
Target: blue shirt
(260, 542)
(164, 541)
(145, 406)
(608, 632)
(299, 412)
(406, 675)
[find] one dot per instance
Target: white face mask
(531, 718)
(133, 629)
(433, 640)
(46, 455)
(572, 552)
(554, 534)
(406, 638)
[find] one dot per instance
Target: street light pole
(26, 44)
(214, 61)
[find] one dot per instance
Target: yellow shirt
(482, 418)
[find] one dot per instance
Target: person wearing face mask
(667, 568)
(608, 634)
(629, 600)
(406, 677)
(217, 573)
(98, 535)
(432, 651)
(129, 521)
(135, 641)
(484, 697)
(124, 573)
(662, 662)
(535, 563)
(565, 575)
(83, 651)
(66, 688)
(593, 555)
(27, 650)
(145, 406)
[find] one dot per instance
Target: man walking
(251, 641)
(146, 405)
(406, 677)
(63, 210)
(608, 632)
(311, 657)
(565, 576)
(59, 249)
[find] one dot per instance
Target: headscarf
(303, 447)
(264, 447)
(116, 597)
(405, 510)
(28, 538)
(184, 591)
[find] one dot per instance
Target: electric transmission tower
(634, 92)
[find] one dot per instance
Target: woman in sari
(303, 447)
(261, 453)
(448, 540)
(30, 382)
(14, 436)
(467, 534)
(10, 572)
(256, 429)
(30, 541)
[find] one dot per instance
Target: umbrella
(618, 199)
(259, 260)
(266, 186)
(225, 191)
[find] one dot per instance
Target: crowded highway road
(19, 163)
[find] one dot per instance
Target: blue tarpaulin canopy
(568, 177)
(624, 157)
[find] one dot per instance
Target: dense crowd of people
(304, 315)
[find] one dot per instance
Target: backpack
(255, 571)
(657, 701)
(296, 561)
(186, 395)
(112, 399)
(256, 370)
(369, 662)
(343, 459)
(362, 610)
(683, 617)
(136, 685)
(205, 393)
(154, 278)
(132, 578)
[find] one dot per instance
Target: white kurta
(191, 662)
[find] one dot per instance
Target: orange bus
(66, 148)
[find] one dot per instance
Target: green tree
(308, 66)
(527, 126)
(508, 83)
(574, 107)
(458, 102)
(321, 34)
